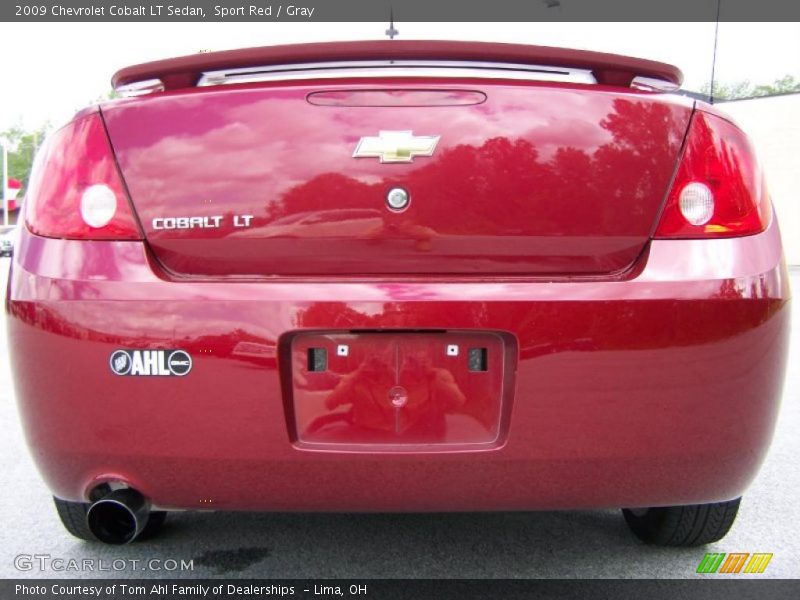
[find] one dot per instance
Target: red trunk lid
(526, 177)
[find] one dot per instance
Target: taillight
(719, 189)
(75, 190)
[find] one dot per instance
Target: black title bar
(387, 589)
(404, 10)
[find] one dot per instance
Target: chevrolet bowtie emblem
(396, 146)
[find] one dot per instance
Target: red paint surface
(535, 180)
(635, 372)
(659, 390)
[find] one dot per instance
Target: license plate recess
(398, 388)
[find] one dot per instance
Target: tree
(22, 146)
(109, 95)
(785, 84)
(745, 89)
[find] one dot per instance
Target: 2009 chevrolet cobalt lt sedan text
(399, 276)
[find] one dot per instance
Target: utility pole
(5, 185)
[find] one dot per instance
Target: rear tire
(73, 517)
(691, 525)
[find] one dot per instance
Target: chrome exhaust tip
(119, 517)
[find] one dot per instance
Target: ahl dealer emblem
(152, 363)
(396, 146)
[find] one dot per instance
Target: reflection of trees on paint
(238, 343)
(471, 188)
(646, 138)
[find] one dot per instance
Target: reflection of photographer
(431, 394)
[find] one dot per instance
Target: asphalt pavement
(476, 545)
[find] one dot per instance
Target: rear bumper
(659, 390)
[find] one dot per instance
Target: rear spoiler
(187, 71)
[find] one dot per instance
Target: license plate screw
(452, 350)
(398, 396)
(342, 350)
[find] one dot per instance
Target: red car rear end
(399, 276)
